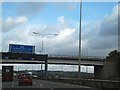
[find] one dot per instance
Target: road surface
(43, 84)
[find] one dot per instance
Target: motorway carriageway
(42, 85)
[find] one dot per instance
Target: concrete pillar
(98, 72)
(110, 69)
(46, 67)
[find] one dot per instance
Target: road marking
(12, 84)
(41, 85)
(51, 88)
(34, 82)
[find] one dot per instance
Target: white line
(41, 85)
(12, 84)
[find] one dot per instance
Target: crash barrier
(94, 83)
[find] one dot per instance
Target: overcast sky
(99, 26)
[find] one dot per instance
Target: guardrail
(83, 57)
(99, 84)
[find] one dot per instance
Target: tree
(113, 53)
(114, 56)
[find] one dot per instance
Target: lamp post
(42, 41)
(42, 38)
(79, 56)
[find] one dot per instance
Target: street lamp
(42, 41)
(79, 56)
(42, 37)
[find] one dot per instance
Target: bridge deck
(53, 61)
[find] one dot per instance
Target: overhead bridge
(20, 58)
(56, 59)
(73, 60)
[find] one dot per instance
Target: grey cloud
(109, 25)
(102, 37)
(102, 43)
(90, 30)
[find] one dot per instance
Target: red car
(25, 79)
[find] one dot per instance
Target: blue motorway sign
(15, 48)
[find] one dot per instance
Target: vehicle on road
(25, 79)
(7, 73)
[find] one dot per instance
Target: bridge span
(73, 60)
(57, 59)
(20, 58)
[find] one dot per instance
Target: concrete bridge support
(98, 72)
(108, 71)
(46, 68)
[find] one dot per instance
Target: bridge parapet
(75, 57)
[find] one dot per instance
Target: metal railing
(83, 57)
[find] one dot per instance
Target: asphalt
(42, 85)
